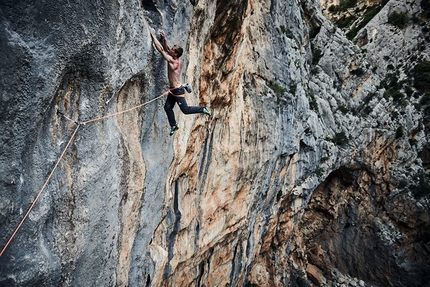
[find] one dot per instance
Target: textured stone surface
(264, 193)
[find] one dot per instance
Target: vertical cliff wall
(313, 169)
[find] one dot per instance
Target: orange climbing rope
(61, 156)
(125, 111)
(40, 192)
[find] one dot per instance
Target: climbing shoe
(207, 112)
(173, 130)
(187, 87)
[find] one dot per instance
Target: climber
(176, 93)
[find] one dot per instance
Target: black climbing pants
(182, 103)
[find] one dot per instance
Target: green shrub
(313, 103)
(394, 115)
(409, 92)
(279, 90)
(422, 188)
(319, 171)
(301, 282)
(399, 132)
(425, 5)
(398, 97)
(402, 184)
(313, 32)
(316, 56)
(293, 88)
(358, 72)
(426, 111)
(421, 75)
(353, 32)
(324, 159)
(424, 105)
(391, 81)
(425, 100)
(345, 21)
(399, 19)
(339, 139)
(315, 70)
(283, 29)
(344, 109)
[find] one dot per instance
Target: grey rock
(228, 200)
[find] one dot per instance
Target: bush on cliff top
(399, 19)
(339, 139)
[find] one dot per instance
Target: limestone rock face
(312, 171)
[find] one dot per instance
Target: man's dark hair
(178, 50)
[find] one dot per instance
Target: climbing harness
(179, 85)
(78, 125)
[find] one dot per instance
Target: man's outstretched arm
(159, 47)
(168, 48)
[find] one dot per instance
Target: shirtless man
(177, 90)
